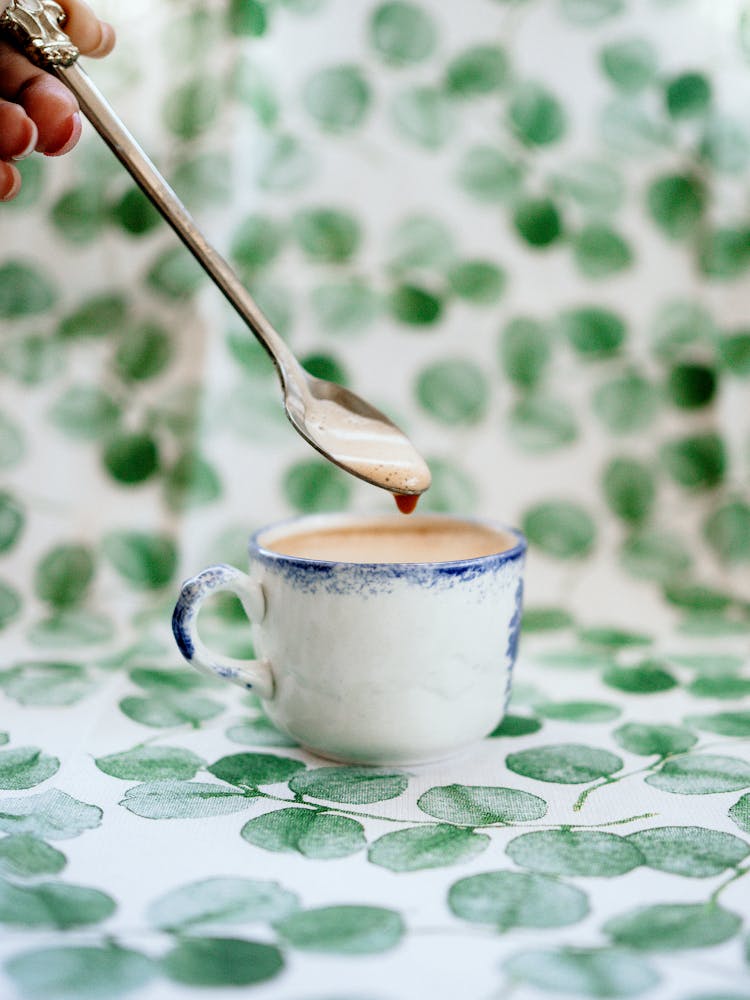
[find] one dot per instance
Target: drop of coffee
(406, 502)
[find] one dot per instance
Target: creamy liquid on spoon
(372, 449)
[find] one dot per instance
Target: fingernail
(31, 144)
(71, 139)
(107, 40)
(15, 186)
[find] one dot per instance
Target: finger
(47, 101)
(18, 133)
(91, 36)
(10, 181)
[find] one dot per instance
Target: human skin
(37, 111)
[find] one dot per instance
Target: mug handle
(250, 674)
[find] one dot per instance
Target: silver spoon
(339, 424)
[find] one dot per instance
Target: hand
(37, 111)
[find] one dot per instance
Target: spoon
(343, 427)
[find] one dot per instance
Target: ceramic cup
(370, 663)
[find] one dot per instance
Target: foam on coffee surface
(419, 541)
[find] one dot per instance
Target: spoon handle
(35, 25)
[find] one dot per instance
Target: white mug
(370, 663)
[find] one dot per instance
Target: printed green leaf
(695, 462)
(478, 70)
(454, 391)
(452, 490)
(415, 305)
(481, 805)
(478, 281)
(630, 64)
(539, 423)
(564, 763)
(151, 764)
(46, 684)
(221, 962)
(191, 482)
(25, 767)
(646, 677)
(247, 18)
(134, 213)
(344, 307)
(676, 203)
(646, 740)
(516, 725)
(175, 275)
(131, 458)
(724, 253)
(80, 213)
(630, 128)
(740, 813)
(251, 85)
(701, 774)
(613, 638)
(256, 242)
(343, 930)
(402, 33)
(424, 116)
(79, 973)
(100, 315)
(730, 688)
(560, 529)
(191, 107)
(182, 800)
(170, 709)
(50, 815)
(724, 723)
(24, 856)
(688, 95)
(691, 386)
(337, 97)
(535, 114)
(322, 836)
(157, 681)
(70, 628)
(251, 769)
(599, 251)
(287, 165)
(589, 972)
(574, 852)
(144, 352)
(25, 290)
(34, 358)
(421, 241)
(146, 561)
(516, 899)
(12, 443)
(593, 332)
(525, 351)
(578, 711)
(357, 785)
(596, 186)
(545, 619)
(727, 531)
(655, 555)
(201, 905)
(626, 404)
(63, 576)
(326, 235)
(12, 520)
(259, 732)
(487, 174)
(420, 847)
(85, 411)
(588, 13)
(202, 181)
(53, 904)
(537, 221)
(692, 851)
(313, 485)
(673, 927)
(725, 146)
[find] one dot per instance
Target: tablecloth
(521, 228)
